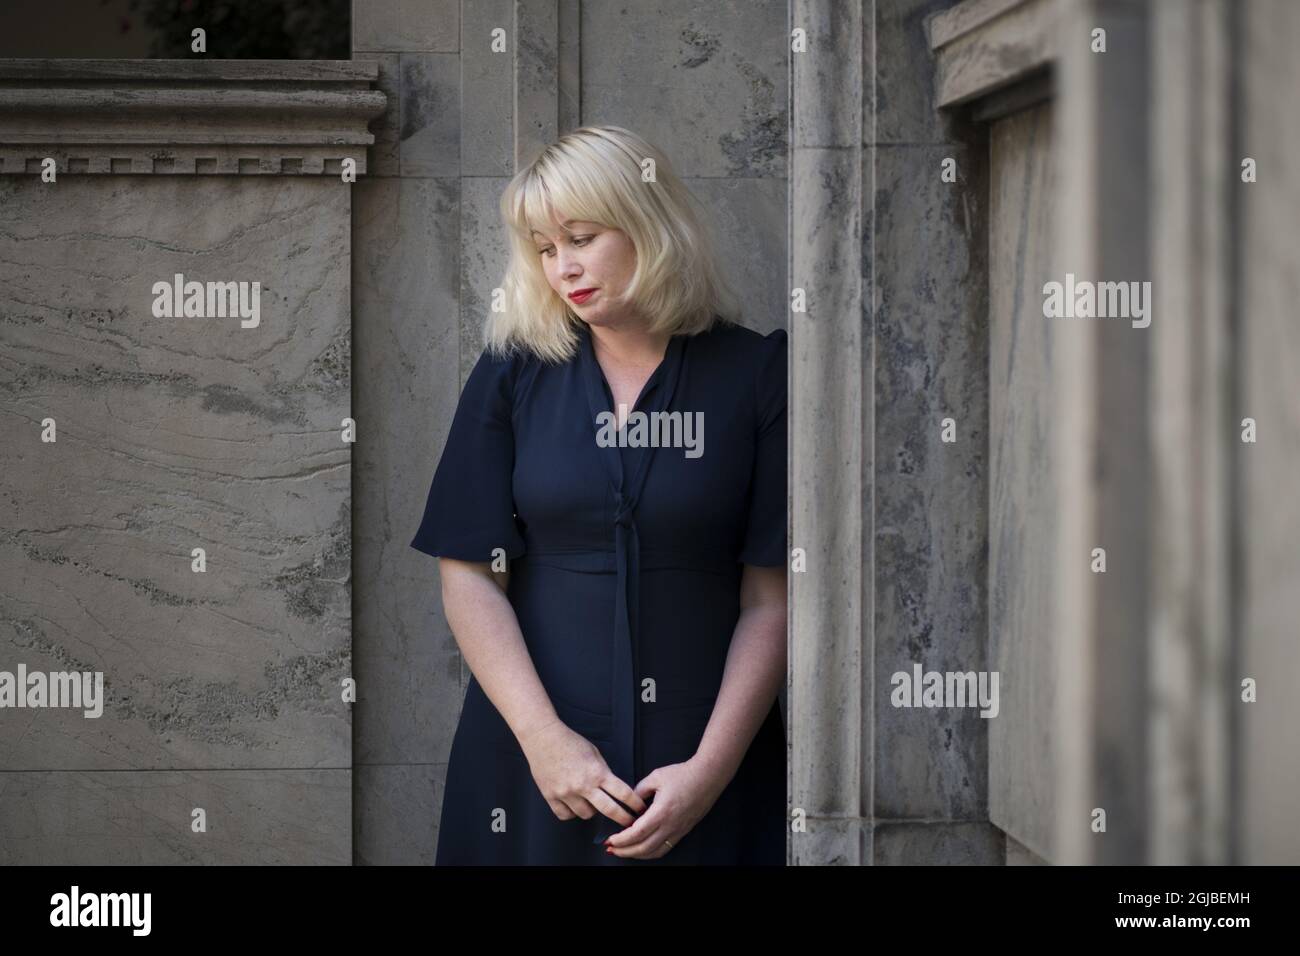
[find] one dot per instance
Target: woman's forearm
(487, 631)
(752, 676)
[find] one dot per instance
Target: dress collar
(667, 369)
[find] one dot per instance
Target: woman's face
(588, 255)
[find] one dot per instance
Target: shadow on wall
(162, 29)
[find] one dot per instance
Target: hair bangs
(597, 174)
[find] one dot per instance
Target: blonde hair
(593, 174)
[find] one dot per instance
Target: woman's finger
(647, 847)
(625, 794)
(560, 810)
(607, 805)
(579, 805)
(645, 824)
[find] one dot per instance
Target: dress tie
(625, 756)
(623, 508)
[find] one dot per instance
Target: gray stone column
(831, 665)
(893, 518)
(1191, 394)
(930, 499)
(1102, 441)
(1262, 250)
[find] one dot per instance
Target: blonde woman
(610, 517)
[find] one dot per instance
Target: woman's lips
(582, 295)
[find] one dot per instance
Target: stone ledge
(188, 117)
(983, 46)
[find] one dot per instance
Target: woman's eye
(580, 242)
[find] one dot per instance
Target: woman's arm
(485, 627)
(570, 772)
(755, 669)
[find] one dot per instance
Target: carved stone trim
(982, 46)
(223, 117)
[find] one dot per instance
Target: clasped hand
(576, 781)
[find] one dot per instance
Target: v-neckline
(589, 345)
(599, 398)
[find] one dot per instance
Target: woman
(626, 660)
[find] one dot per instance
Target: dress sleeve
(470, 509)
(765, 533)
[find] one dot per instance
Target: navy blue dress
(625, 570)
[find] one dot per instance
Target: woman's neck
(632, 347)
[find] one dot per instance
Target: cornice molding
(224, 117)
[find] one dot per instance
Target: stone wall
(222, 681)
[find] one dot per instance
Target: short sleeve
(765, 533)
(470, 509)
